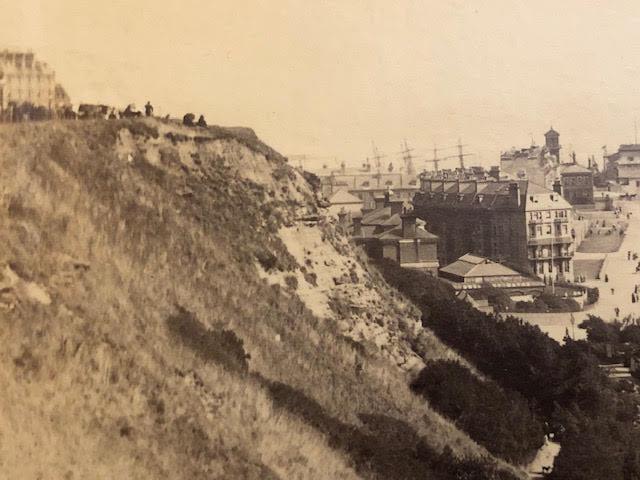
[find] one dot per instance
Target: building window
(548, 229)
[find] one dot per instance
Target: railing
(548, 256)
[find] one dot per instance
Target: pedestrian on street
(613, 290)
(617, 310)
(629, 255)
(606, 278)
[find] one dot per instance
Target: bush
(548, 302)
(501, 420)
(599, 331)
(291, 281)
(313, 180)
(498, 298)
(267, 259)
(223, 347)
(593, 294)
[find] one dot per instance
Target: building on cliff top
(24, 79)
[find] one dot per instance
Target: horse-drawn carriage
(88, 111)
(130, 112)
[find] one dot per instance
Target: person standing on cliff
(148, 109)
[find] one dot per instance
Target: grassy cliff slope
(157, 320)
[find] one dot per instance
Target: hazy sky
(326, 77)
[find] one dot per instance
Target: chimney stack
(557, 187)
(514, 192)
(379, 201)
(408, 225)
(357, 226)
(495, 172)
(396, 206)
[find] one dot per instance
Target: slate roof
(473, 266)
(343, 196)
(376, 217)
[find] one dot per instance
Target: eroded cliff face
(164, 314)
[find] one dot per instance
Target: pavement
(622, 279)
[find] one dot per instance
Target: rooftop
(470, 266)
(396, 234)
(573, 168)
(343, 197)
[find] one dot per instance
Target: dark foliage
(593, 294)
(220, 346)
(499, 419)
(516, 354)
(593, 420)
(313, 180)
(381, 446)
(498, 298)
(548, 302)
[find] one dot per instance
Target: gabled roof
(343, 196)
(469, 266)
(392, 221)
(535, 189)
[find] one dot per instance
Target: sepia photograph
(320, 240)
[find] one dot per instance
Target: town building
(624, 167)
(469, 173)
(536, 164)
(24, 79)
(392, 231)
(343, 201)
(517, 223)
(366, 184)
(576, 185)
(472, 272)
